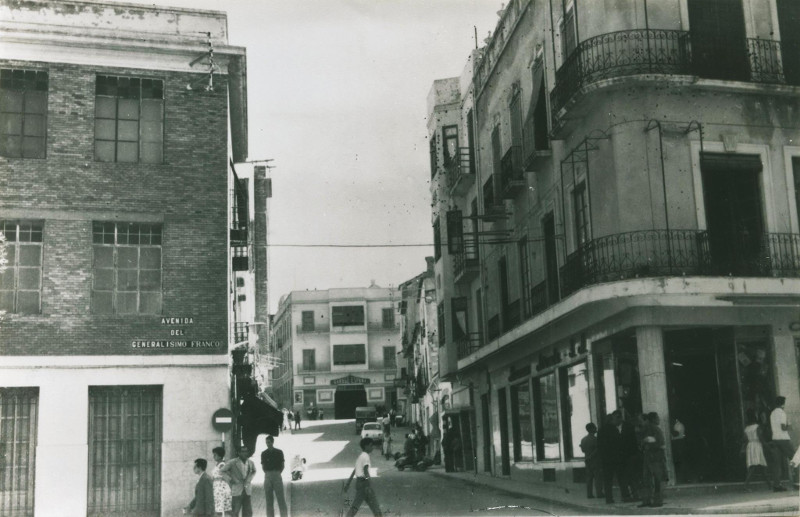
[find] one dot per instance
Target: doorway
(347, 398)
(487, 433)
(502, 405)
(733, 209)
(718, 38)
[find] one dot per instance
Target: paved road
(331, 448)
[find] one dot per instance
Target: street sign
(222, 420)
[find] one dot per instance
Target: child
(298, 467)
(754, 450)
(592, 459)
(363, 489)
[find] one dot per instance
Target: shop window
(756, 378)
(545, 403)
(389, 357)
(522, 422)
(347, 355)
(347, 315)
(574, 406)
(129, 119)
(21, 282)
(23, 113)
(127, 268)
(309, 360)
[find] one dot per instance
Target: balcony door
(550, 257)
(718, 38)
(789, 21)
(734, 219)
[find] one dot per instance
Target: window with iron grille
(581, 213)
(389, 357)
(18, 431)
(129, 119)
(387, 318)
(127, 268)
(23, 113)
(21, 282)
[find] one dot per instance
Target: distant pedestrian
(609, 443)
(754, 449)
(592, 459)
(391, 417)
(364, 490)
(223, 503)
(289, 419)
(654, 466)
(297, 420)
(678, 435)
(321, 414)
(272, 462)
(781, 443)
(241, 470)
(203, 502)
(447, 445)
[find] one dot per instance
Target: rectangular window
(21, 283)
(308, 321)
(437, 240)
(389, 357)
(347, 315)
(440, 324)
(18, 428)
(127, 268)
(525, 275)
(129, 119)
(574, 407)
(387, 318)
(434, 158)
(521, 422)
(515, 110)
(23, 113)
(488, 194)
(309, 360)
(568, 34)
(450, 144)
(344, 355)
(580, 208)
(545, 402)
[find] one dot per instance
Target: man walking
(297, 420)
(241, 470)
(203, 502)
(610, 444)
(363, 489)
(272, 462)
(781, 443)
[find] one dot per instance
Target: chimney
(430, 262)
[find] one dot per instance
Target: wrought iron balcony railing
(657, 51)
(377, 326)
(305, 328)
(460, 170)
(465, 264)
(467, 344)
(512, 174)
(539, 301)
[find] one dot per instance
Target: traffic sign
(222, 420)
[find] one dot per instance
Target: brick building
(114, 195)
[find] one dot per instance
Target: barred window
(21, 282)
(127, 268)
(129, 119)
(23, 113)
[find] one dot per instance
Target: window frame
(449, 136)
(580, 214)
(33, 228)
(349, 319)
(387, 318)
(309, 363)
(336, 363)
(390, 351)
(31, 82)
(307, 323)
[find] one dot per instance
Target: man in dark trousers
(203, 502)
(272, 462)
(609, 443)
(297, 419)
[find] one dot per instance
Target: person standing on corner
(781, 443)
(609, 442)
(364, 491)
(203, 502)
(241, 470)
(272, 462)
(297, 420)
(592, 459)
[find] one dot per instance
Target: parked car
(372, 430)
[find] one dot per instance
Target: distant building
(616, 198)
(336, 350)
(114, 165)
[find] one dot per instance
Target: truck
(365, 414)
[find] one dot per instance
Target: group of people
(767, 446)
(228, 490)
(290, 416)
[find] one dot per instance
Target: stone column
(653, 378)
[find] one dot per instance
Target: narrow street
(331, 447)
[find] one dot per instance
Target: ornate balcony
(512, 173)
(465, 264)
(656, 51)
(467, 344)
(460, 171)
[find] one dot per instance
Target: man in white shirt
(363, 489)
(782, 444)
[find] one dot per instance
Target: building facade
(114, 165)
(616, 203)
(336, 350)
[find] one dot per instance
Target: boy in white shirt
(781, 442)
(363, 489)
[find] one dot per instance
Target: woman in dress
(754, 450)
(222, 489)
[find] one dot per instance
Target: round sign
(222, 420)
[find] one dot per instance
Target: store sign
(141, 343)
(350, 379)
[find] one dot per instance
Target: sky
(337, 97)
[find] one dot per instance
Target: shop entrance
(703, 395)
(347, 398)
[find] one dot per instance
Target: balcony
(655, 253)
(512, 173)
(465, 264)
(655, 51)
(383, 326)
(460, 171)
(539, 300)
(467, 344)
(312, 329)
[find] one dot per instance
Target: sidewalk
(259, 500)
(710, 500)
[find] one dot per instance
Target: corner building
(615, 196)
(114, 202)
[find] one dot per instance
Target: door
(487, 433)
(466, 440)
(733, 213)
(551, 260)
(18, 425)
(788, 22)
(347, 399)
(125, 426)
(502, 268)
(502, 404)
(718, 39)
